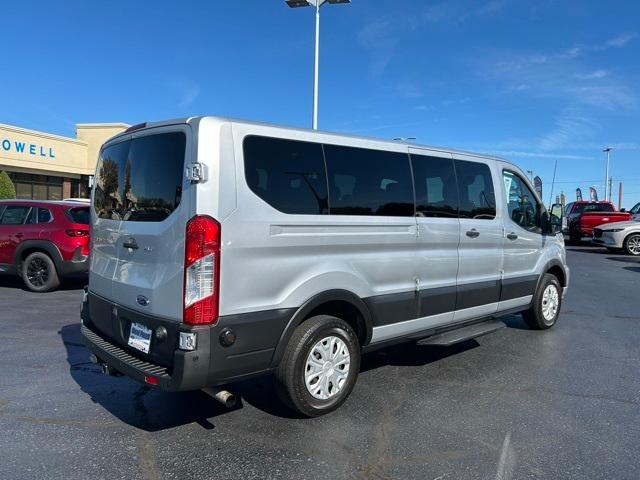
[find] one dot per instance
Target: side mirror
(623, 209)
(551, 224)
(557, 210)
(555, 224)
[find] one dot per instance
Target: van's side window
(521, 202)
(436, 187)
(369, 182)
(476, 192)
(289, 175)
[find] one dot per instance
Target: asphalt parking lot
(515, 404)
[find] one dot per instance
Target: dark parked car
(42, 241)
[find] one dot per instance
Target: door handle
(473, 233)
(19, 235)
(512, 236)
(131, 243)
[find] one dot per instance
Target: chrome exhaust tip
(225, 397)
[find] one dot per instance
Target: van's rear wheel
(320, 366)
(546, 306)
(39, 273)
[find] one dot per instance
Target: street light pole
(316, 68)
(316, 64)
(607, 150)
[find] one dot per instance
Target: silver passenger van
(225, 249)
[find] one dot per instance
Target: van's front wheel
(319, 367)
(546, 306)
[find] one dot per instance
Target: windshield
(635, 209)
(141, 179)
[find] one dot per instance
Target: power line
(628, 180)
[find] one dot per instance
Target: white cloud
(408, 89)
(596, 74)
(569, 129)
(380, 37)
(380, 40)
(186, 90)
(534, 154)
(619, 41)
(189, 96)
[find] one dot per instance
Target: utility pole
(610, 188)
(619, 195)
(607, 150)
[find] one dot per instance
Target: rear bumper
(78, 264)
(137, 369)
(105, 330)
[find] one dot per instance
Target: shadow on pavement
(628, 259)
(72, 282)
(152, 410)
(632, 269)
(133, 403)
(599, 250)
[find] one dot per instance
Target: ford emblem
(142, 300)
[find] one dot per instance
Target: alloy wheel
(38, 272)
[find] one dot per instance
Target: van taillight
(201, 271)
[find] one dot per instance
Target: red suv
(42, 241)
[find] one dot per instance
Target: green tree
(7, 190)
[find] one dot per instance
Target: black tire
(535, 316)
(630, 244)
(290, 374)
(39, 273)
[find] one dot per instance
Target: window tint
(44, 215)
(369, 182)
(635, 209)
(593, 207)
(289, 175)
(436, 188)
(107, 200)
(79, 215)
(14, 215)
(567, 208)
(476, 193)
(141, 179)
(522, 205)
(32, 218)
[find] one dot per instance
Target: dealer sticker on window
(140, 337)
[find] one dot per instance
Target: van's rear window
(78, 215)
(141, 179)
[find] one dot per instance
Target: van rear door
(142, 205)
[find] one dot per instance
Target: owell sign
(26, 148)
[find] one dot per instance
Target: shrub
(7, 190)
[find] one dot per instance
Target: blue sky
(530, 81)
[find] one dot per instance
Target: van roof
(197, 119)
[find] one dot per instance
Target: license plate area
(140, 337)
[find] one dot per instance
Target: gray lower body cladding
(106, 328)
